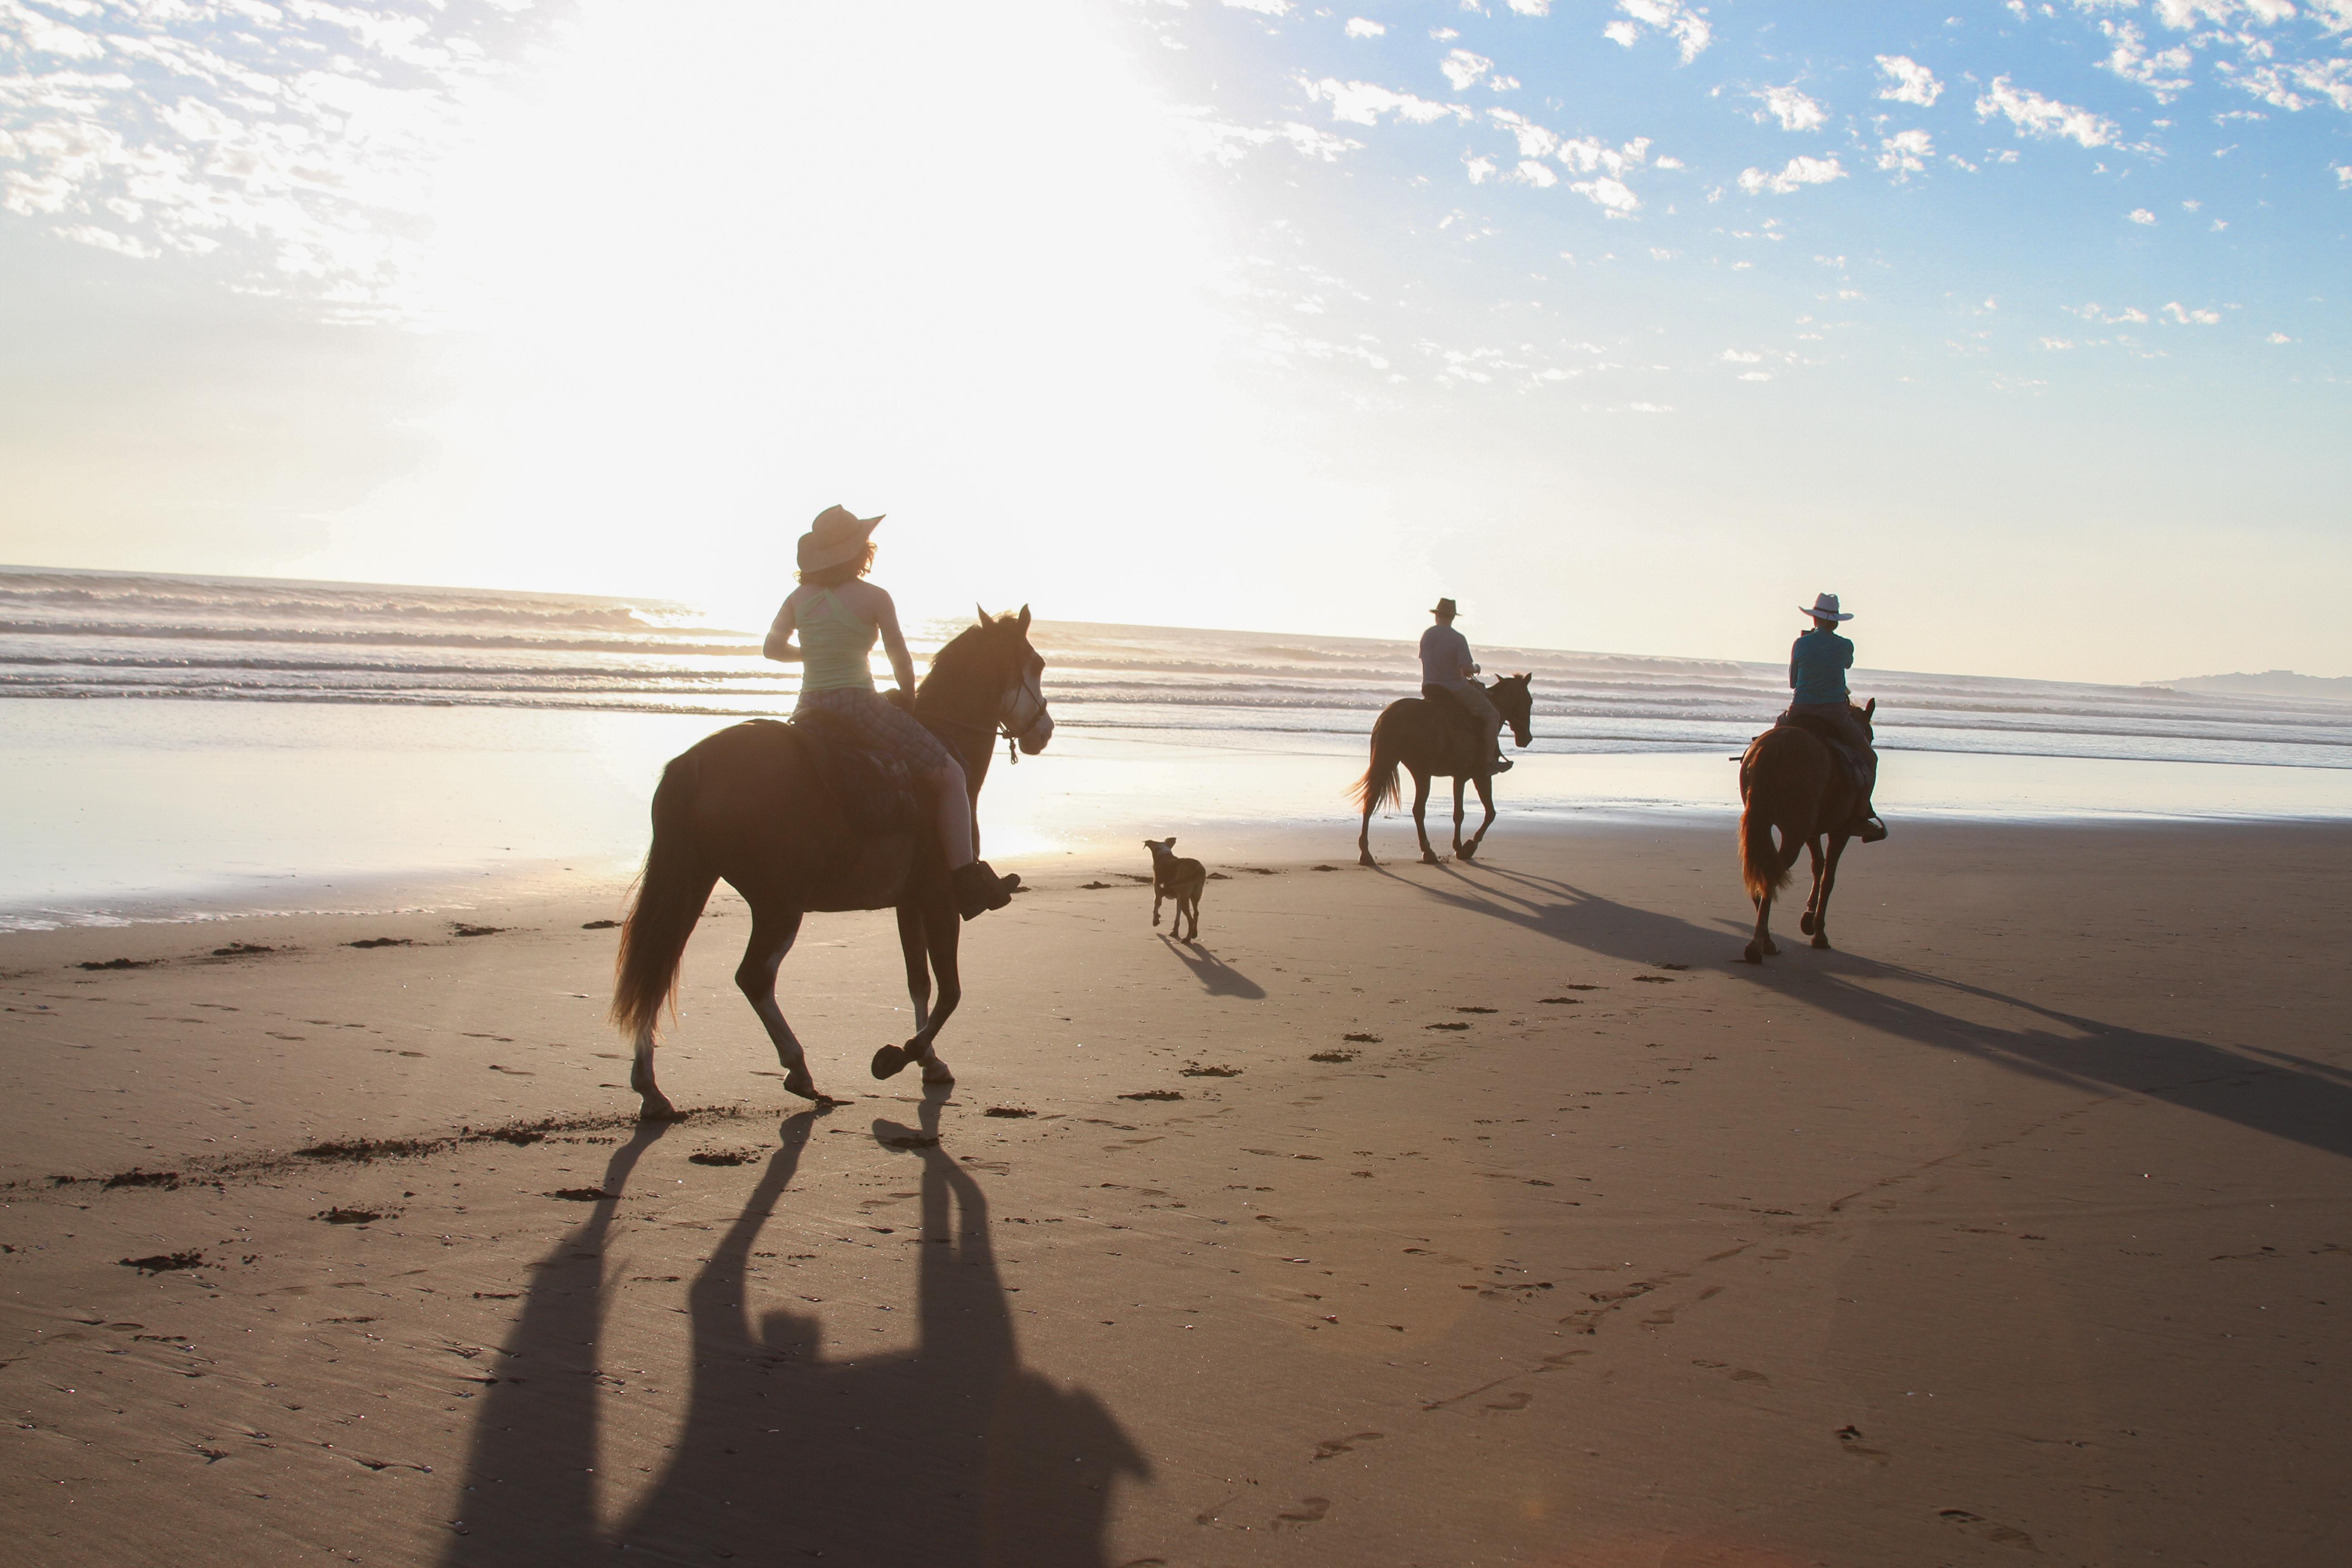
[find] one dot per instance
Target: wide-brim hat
(1444, 607)
(837, 535)
(1825, 608)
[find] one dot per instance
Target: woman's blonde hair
(841, 572)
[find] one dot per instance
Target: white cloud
(2343, 176)
(1358, 28)
(2057, 342)
(1263, 7)
(1756, 376)
(2094, 311)
(1531, 173)
(1363, 103)
(1649, 408)
(2218, 225)
(1223, 143)
(1793, 110)
(2192, 318)
(1905, 152)
(1462, 68)
(1666, 161)
(2141, 216)
(1908, 82)
(1686, 24)
(1613, 195)
(1800, 171)
(1481, 169)
(2035, 115)
(1735, 356)
(2277, 85)
(2278, 338)
(1531, 7)
(2160, 73)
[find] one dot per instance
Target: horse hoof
(1822, 940)
(656, 1107)
(1772, 948)
(936, 1073)
(1431, 860)
(798, 1081)
(1805, 922)
(1753, 954)
(889, 1062)
(1364, 858)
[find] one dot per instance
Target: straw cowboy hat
(837, 535)
(1825, 605)
(1444, 607)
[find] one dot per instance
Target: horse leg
(1761, 945)
(940, 929)
(772, 930)
(1458, 783)
(919, 966)
(1364, 840)
(1487, 799)
(1821, 891)
(1420, 810)
(1813, 901)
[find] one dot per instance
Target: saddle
(1861, 767)
(876, 789)
(1456, 718)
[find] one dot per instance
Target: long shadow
(2269, 1090)
(952, 1452)
(1216, 976)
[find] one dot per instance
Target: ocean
(181, 746)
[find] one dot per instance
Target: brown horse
(1430, 736)
(1790, 780)
(750, 803)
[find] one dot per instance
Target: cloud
(1908, 82)
(1735, 356)
(2057, 342)
(2343, 176)
(1793, 110)
(2141, 216)
(1531, 7)
(1905, 152)
(1686, 24)
(2278, 338)
(1358, 28)
(1263, 7)
(2129, 58)
(2035, 115)
(2277, 85)
(1800, 171)
(1363, 103)
(1462, 69)
(2094, 311)
(1224, 142)
(2192, 318)
(1613, 195)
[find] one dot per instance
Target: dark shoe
(978, 890)
(1871, 830)
(1502, 766)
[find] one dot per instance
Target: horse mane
(958, 666)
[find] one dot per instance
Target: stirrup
(1871, 829)
(978, 890)
(1499, 765)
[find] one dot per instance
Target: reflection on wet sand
(952, 1452)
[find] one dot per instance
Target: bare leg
(952, 808)
(1420, 812)
(772, 931)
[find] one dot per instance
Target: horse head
(994, 662)
(1516, 703)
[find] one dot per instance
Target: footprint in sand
(1331, 1447)
(1310, 1510)
(1512, 1402)
(1977, 1524)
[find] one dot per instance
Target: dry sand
(1443, 1216)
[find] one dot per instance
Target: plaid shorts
(878, 725)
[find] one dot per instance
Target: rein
(1012, 742)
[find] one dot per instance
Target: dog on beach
(1173, 877)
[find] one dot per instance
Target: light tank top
(836, 645)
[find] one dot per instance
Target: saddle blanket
(876, 788)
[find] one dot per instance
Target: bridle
(1014, 729)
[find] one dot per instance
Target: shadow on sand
(2269, 1091)
(1216, 976)
(953, 1452)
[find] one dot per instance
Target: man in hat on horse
(1446, 669)
(1817, 667)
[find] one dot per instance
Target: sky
(1631, 324)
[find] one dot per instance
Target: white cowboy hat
(1825, 608)
(837, 535)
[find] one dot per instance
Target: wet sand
(1456, 1215)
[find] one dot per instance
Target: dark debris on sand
(167, 1180)
(1196, 1069)
(723, 1156)
(462, 929)
(382, 941)
(600, 925)
(583, 1194)
(1362, 1038)
(1008, 1110)
(1332, 1057)
(1153, 1094)
(241, 949)
(165, 1262)
(340, 1215)
(116, 963)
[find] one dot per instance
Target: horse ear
(1024, 620)
(982, 612)
(1870, 707)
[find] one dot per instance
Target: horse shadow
(950, 1452)
(1217, 977)
(2263, 1088)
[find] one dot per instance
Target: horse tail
(669, 895)
(1377, 789)
(1760, 865)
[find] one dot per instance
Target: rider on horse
(1817, 667)
(1446, 667)
(838, 618)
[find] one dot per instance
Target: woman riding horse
(838, 615)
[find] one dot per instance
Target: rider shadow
(952, 1452)
(1217, 977)
(2266, 1090)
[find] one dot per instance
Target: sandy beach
(1485, 1213)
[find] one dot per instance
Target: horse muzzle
(1036, 738)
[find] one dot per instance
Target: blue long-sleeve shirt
(1817, 667)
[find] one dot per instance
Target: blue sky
(1627, 324)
